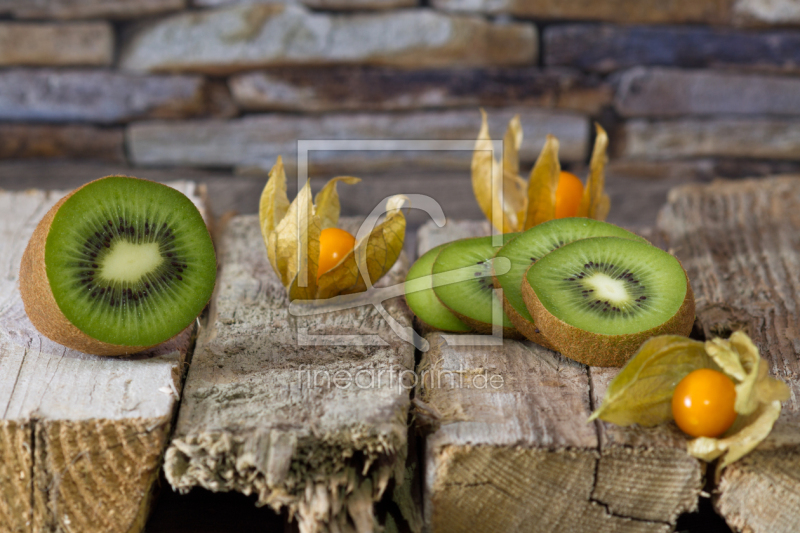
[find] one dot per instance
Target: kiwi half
(471, 299)
(117, 266)
(534, 244)
(423, 302)
(597, 300)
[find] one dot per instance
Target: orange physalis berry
(334, 245)
(568, 195)
(702, 403)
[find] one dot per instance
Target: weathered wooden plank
(520, 456)
(306, 412)
(16, 479)
(644, 473)
(605, 48)
(230, 39)
(256, 141)
(740, 245)
(360, 89)
(80, 436)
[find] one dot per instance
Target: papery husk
(304, 283)
(292, 232)
(758, 395)
(326, 202)
(758, 400)
(747, 433)
(499, 190)
(542, 185)
(595, 202)
(642, 392)
(274, 203)
(513, 204)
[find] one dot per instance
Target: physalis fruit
(702, 404)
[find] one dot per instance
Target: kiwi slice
(472, 298)
(597, 300)
(534, 244)
(117, 266)
(423, 302)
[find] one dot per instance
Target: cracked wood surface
(81, 436)
(740, 244)
(263, 412)
(521, 457)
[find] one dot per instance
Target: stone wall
(688, 89)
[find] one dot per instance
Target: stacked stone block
(693, 88)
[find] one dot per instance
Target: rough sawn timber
(740, 244)
(263, 411)
(81, 436)
(521, 457)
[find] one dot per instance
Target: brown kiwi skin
(596, 349)
(527, 328)
(483, 328)
(40, 304)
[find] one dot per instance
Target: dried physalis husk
(498, 188)
(513, 204)
(758, 401)
(642, 391)
(291, 232)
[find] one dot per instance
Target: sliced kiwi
(534, 244)
(422, 300)
(119, 265)
(597, 300)
(473, 298)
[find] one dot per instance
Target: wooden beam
(739, 244)
(308, 413)
(519, 456)
(81, 436)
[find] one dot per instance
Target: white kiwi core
(608, 288)
(127, 261)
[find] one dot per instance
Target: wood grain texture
(521, 457)
(264, 412)
(16, 480)
(644, 472)
(740, 244)
(81, 436)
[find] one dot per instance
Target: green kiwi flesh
(472, 298)
(130, 262)
(596, 300)
(534, 244)
(423, 302)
